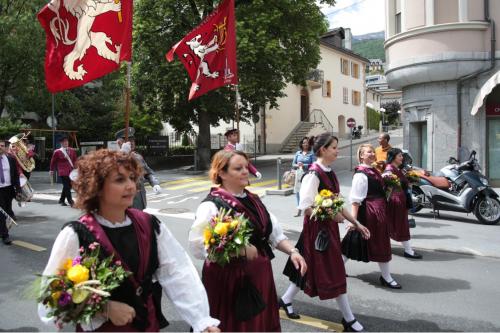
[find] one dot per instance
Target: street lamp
(399, 117)
(382, 110)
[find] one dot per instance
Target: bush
(185, 140)
(183, 150)
(373, 119)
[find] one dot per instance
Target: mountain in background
(370, 45)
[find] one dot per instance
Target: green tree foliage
(9, 128)
(277, 42)
(391, 111)
(373, 119)
(371, 49)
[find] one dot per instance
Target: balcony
(315, 79)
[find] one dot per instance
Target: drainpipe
(461, 80)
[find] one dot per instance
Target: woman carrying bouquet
(397, 206)
(106, 186)
(326, 274)
(252, 265)
(369, 206)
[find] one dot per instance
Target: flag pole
(236, 106)
(127, 101)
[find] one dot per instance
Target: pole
(255, 142)
(236, 106)
(278, 172)
(127, 101)
(351, 148)
(53, 133)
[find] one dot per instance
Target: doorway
(304, 105)
(494, 150)
(418, 143)
(341, 120)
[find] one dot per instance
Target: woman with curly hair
(106, 185)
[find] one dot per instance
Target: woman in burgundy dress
(326, 274)
(229, 169)
(370, 208)
(397, 208)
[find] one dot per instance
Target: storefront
(493, 143)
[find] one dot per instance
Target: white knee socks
(290, 295)
(345, 308)
(407, 246)
(386, 273)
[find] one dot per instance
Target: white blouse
(204, 213)
(359, 189)
(309, 188)
(176, 274)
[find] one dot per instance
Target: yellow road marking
(315, 322)
(192, 184)
(259, 184)
(252, 186)
(183, 180)
(30, 246)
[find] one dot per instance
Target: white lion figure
(85, 11)
(201, 51)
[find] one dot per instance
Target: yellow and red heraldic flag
(209, 51)
(85, 39)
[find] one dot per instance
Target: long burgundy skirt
(374, 218)
(397, 217)
(222, 284)
(325, 270)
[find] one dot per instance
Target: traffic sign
(351, 122)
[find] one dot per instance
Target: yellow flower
(317, 199)
(207, 234)
(221, 229)
(55, 296)
(325, 193)
(212, 240)
(68, 264)
(78, 273)
(234, 224)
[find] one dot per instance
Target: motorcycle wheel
(417, 193)
(487, 210)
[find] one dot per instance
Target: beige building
(334, 92)
(443, 55)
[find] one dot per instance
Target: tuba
(21, 152)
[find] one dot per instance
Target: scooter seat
(439, 182)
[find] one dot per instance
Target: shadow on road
(434, 237)
(433, 256)
(471, 219)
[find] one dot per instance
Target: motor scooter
(458, 187)
(356, 132)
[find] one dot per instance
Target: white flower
(327, 203)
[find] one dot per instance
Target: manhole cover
(174, 210)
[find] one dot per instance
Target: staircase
(302, 129)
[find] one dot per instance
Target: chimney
(348, 38)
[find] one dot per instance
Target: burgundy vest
(327, 180)
(143, 229)
(375, 182)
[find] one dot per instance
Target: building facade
(443, 55)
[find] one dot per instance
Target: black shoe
(389, 284)
(415, 255)
(291, 315)
(7, 240)
(63, 204)
(348, 325)
(72, 204)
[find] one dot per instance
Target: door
(304, 105)
(494, 151)
(341, 120)
(423, 145)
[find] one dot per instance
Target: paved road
(447, 291)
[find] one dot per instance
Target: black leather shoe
(389, 284)
(348, 325)
(291, 315)
(415, 255)
(7, 241)
(63, 204)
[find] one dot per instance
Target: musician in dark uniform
(9, 186)
(149, 175)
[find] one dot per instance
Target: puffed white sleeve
(277, 234)
(308, 190)
(204, 213)
(359, 188)
(65, 246)
(181, 283)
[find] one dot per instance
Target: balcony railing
(315, 78)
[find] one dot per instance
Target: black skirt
(354, 246)
(290, 270)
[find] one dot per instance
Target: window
(344, 66)
(355, 70)
(345, 95)
(328, 92)
(356, 97)
(398, 23)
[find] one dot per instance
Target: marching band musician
(9, 186)
(64, 159)
(129, 147)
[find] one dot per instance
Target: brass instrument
(21, 152)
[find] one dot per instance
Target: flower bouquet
(81, 287)
(392, 183)
(326, 205)
(225, 235)
(413, 177)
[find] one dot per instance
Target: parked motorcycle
(458, 187)
(356, 132)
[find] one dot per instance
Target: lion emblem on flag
(86, 12)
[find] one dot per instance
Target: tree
(391, 111)
(277, 43)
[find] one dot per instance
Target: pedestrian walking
(369, 206)
(106, 186)
(229, 169)
(302, 160)
(326, 276)
(233, 140)
(140, 201)
(399, 203)
(9, 186)
(64, 160)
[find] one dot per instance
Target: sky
(362, 16)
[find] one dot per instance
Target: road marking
(156, 211)
(44, 196)
(182, 200)
(263, 183)
(474, 252)
(183, 180)
(315, 322)
(191, 184)
(29, 246)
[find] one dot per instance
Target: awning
(485, 90)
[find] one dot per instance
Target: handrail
(291, 134)
(317, 116)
